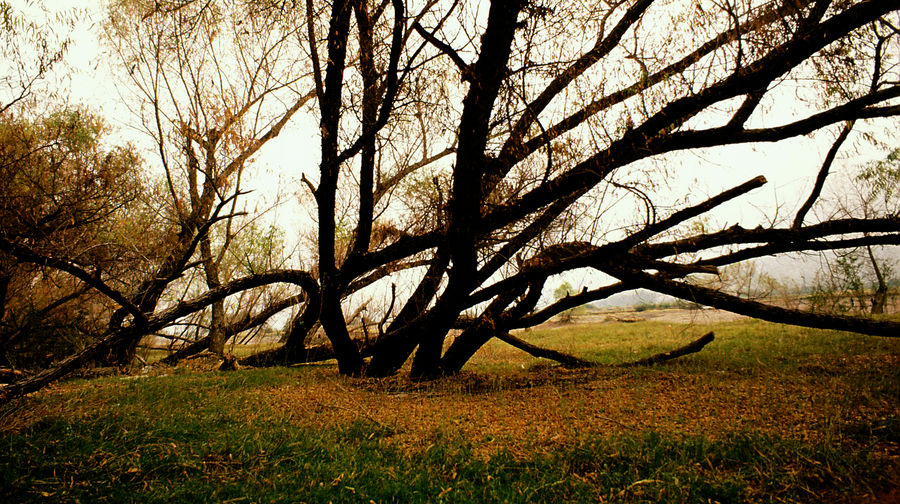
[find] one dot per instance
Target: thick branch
(569, 361)
(446, 49)
(799, 246)
(775, 237)
(692, 347)
(755, 309)
(691, 212)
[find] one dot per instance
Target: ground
(765, 413)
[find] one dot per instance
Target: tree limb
(692, 347)
(755, 309)
(569, 361)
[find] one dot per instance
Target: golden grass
(510, 401)
(540, 410)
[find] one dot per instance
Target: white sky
(789, 166)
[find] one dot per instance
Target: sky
(789, 166)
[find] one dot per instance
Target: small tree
(563, 291)
(68, 202)
(858, 279)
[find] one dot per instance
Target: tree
(640, 89)
(478, 150)
(212, 80)
(69, 202)
(858, 279)
(65, 195)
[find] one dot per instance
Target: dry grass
(549, 408)
(789, 390)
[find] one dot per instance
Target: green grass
(215, 458)
(738, 345)
(218, 437)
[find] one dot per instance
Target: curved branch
(154, 323)
(28, 255)
(572, 362)
(823, 174)
(692, 347)
(755, 309)
(568, 361)
(689, 213)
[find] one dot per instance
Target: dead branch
(568, 361)
(692, 347)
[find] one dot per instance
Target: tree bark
(217, 317)
(879, 298)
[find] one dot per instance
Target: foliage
(65, 195)
(29, 51)
(879, 182)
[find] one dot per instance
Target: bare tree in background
(215, 81)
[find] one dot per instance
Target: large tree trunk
(217, 317)
(478, 334)
(399, 341)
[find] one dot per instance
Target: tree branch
(755, 309)
(823, 173)
(568, 361)
(464, 68)
(692, 347)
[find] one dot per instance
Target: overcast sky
(789, 166)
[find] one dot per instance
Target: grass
(765, 414)
(739, 344)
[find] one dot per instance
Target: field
(765, 413)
